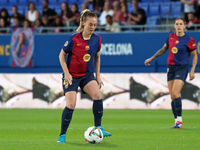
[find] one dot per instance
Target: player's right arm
(62, 58)
(157, 54)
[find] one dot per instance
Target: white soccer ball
(93, 135)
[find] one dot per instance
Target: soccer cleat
(105, 134)
(178, 125)
(61, 139)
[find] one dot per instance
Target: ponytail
(84, 14)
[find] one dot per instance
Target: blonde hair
(84, 14)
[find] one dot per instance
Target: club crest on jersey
(174, 50)
(66, 43)
(177, 42)
(87, 47)
(86, 57)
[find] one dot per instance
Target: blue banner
(120, 52)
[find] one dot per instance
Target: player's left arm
(194, 63)
(97, 68)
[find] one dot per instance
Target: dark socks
(97, 111)
(178, 106)
(173, 104)
(66, 118)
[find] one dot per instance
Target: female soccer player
(83, 49)
(180, 46)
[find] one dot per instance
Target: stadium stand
(154, 9)
(153, 20)
(34, 1)
(57, 10)
(176, 10)
(13, 2)
(21, 11)
(90, 6)
(145, 6)
(60, 1)
(165, 9)
(9, 11)
(145, 1)
(50, 2)
(22, 2)
(81, 1)
(160, 9)
(130, 7)
(166, 0)
(3, 3)
(70, 2)
(157, 1)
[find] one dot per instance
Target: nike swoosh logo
(100, 111)
(78, 44)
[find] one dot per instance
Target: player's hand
(68, 78)
(192, 76)
(147, 62)
(99, 81)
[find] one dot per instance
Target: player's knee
(96, 96)
(71, 105)
(175, 95)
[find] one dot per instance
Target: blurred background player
(180, 46)
(83, 49)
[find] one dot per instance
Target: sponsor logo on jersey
(174, 50)
(86, 57)
(177, 42)
(194, 44)
(66, 43)
(87, 47)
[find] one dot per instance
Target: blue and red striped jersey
(179, 49)
(80, 60)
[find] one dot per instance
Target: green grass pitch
(38, 129)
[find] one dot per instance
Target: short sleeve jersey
(80, 60)
(179, 49)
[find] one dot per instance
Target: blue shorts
(77, 82)
(177, 72)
